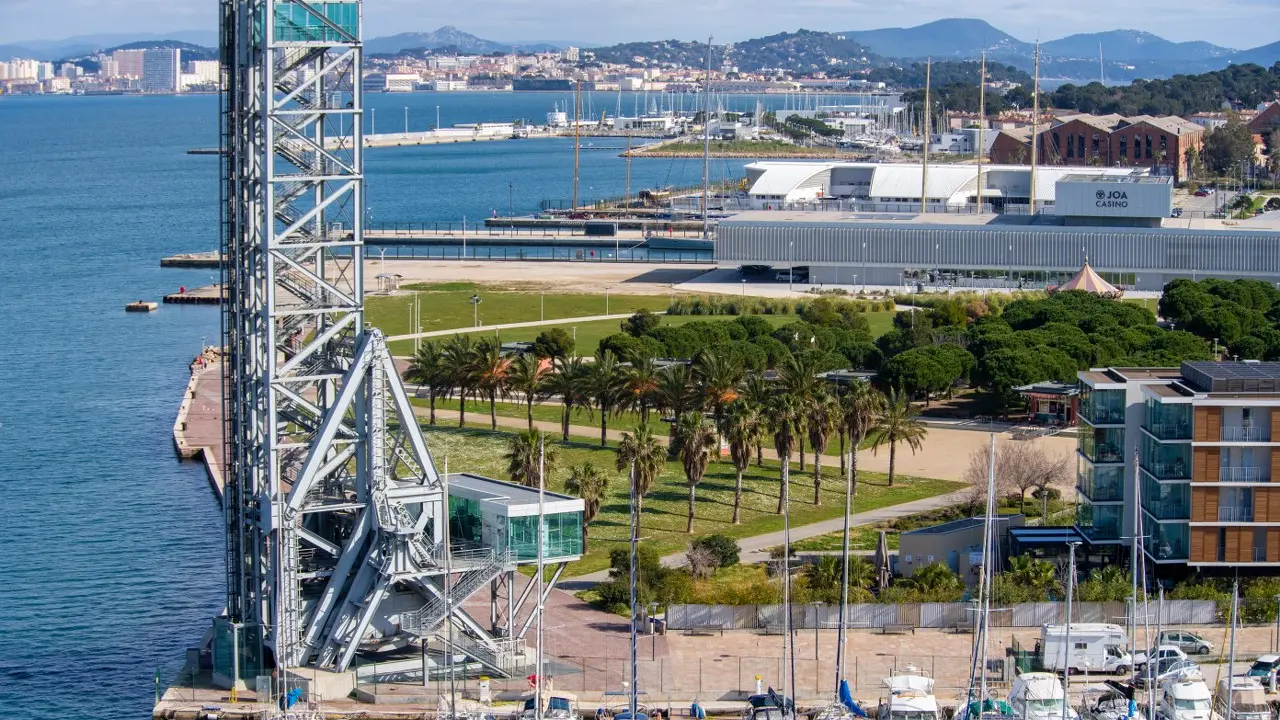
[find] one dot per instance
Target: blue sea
(111, 561)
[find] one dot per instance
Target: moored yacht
(1040, 696)
(910, 697)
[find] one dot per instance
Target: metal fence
(923, 615)
(544, 253)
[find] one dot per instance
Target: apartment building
(1196, 449)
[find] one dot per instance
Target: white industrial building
(896, 187)
(1120, 223)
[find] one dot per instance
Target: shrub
(723, 547)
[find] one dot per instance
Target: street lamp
(791, 264)
(744, 287)
(475, 311)
(606, 299)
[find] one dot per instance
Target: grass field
(666, 507)
(1152, 304)
(860, 538)
(448, 305)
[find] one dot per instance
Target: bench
(772, 629)
(704, 630)
(898, 629)
(963, 627)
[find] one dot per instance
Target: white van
(1095, 647)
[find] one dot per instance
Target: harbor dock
(207, 295)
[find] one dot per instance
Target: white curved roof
(780, 178)
(947, 182)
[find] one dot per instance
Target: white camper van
(1095, 647)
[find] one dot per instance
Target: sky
(1240, 24)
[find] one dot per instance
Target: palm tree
(571, 383)
(604, 382)
(674, 394)
(528, 376)
(641, 382)
(522, 457)
(860, 405)
(491, 371)
(822, 418)
(783, 416)
(743, 429)
(588, 483)
(428, 369)
(459, 358)
(798, 377)
(897, 423)
(1036, 574)
(649, 457)
(698, 444)
(862, 574)
(935, 583)
(718, 377)
(756, 393)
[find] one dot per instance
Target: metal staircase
(479, 567)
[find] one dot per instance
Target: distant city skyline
(1240, 24)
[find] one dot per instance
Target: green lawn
(589, 334)
(665, 509)
(448, 305)
(860, 538)
(1152, 304)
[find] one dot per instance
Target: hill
(955, 37)
(1266, 56)
(801, 51)
(80, 45)
(1130, 45)
(1240, 85)
(446, 37)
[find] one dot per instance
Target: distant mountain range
(49, 50)
(446, 37)
(1125, 54)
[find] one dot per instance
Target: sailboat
(982, 705)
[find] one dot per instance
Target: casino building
(1120, 222)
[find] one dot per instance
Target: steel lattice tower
(331, 499)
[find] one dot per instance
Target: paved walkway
(945, 455)
(510, 326)
(755, 549)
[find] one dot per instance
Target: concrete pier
(193, 260)
(207, 295)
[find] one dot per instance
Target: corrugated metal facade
(907, 245)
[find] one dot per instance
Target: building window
(1057, 144)
(1148, 147)
(1080, 144)
(1124, 146)
(1071, 148)
(1095, 144)
(1259, 545)
(1222, 544)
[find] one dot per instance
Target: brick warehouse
(1142, 141)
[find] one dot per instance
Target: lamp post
(437, 118)
(475, 311)
(744, 287)
(606, 299)
(791, 264)
(406, 119)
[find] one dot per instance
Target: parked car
(1164, 669)
(1264, 668)
(1188, 642)
(798, 274)
(1159, 653)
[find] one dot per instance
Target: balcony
(1243, 474)
(1104, 484)
(1102, 407)
(1168, 422)
(1172, 509)
(1235, 514)
(1167, 462)
(1168, 541)
(1099, 522)
(1245, 433)
(1103, 446)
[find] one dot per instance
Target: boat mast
(1035, 125)
(577, 132)
(537, 685)
(1231, 662)
(1066, 665)
(984, 589)
(706, 141)
(627, 192)
(633, 696)
(448, 591)
(844, 571)
(788, 660)
(928, 133)
(982, 120)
